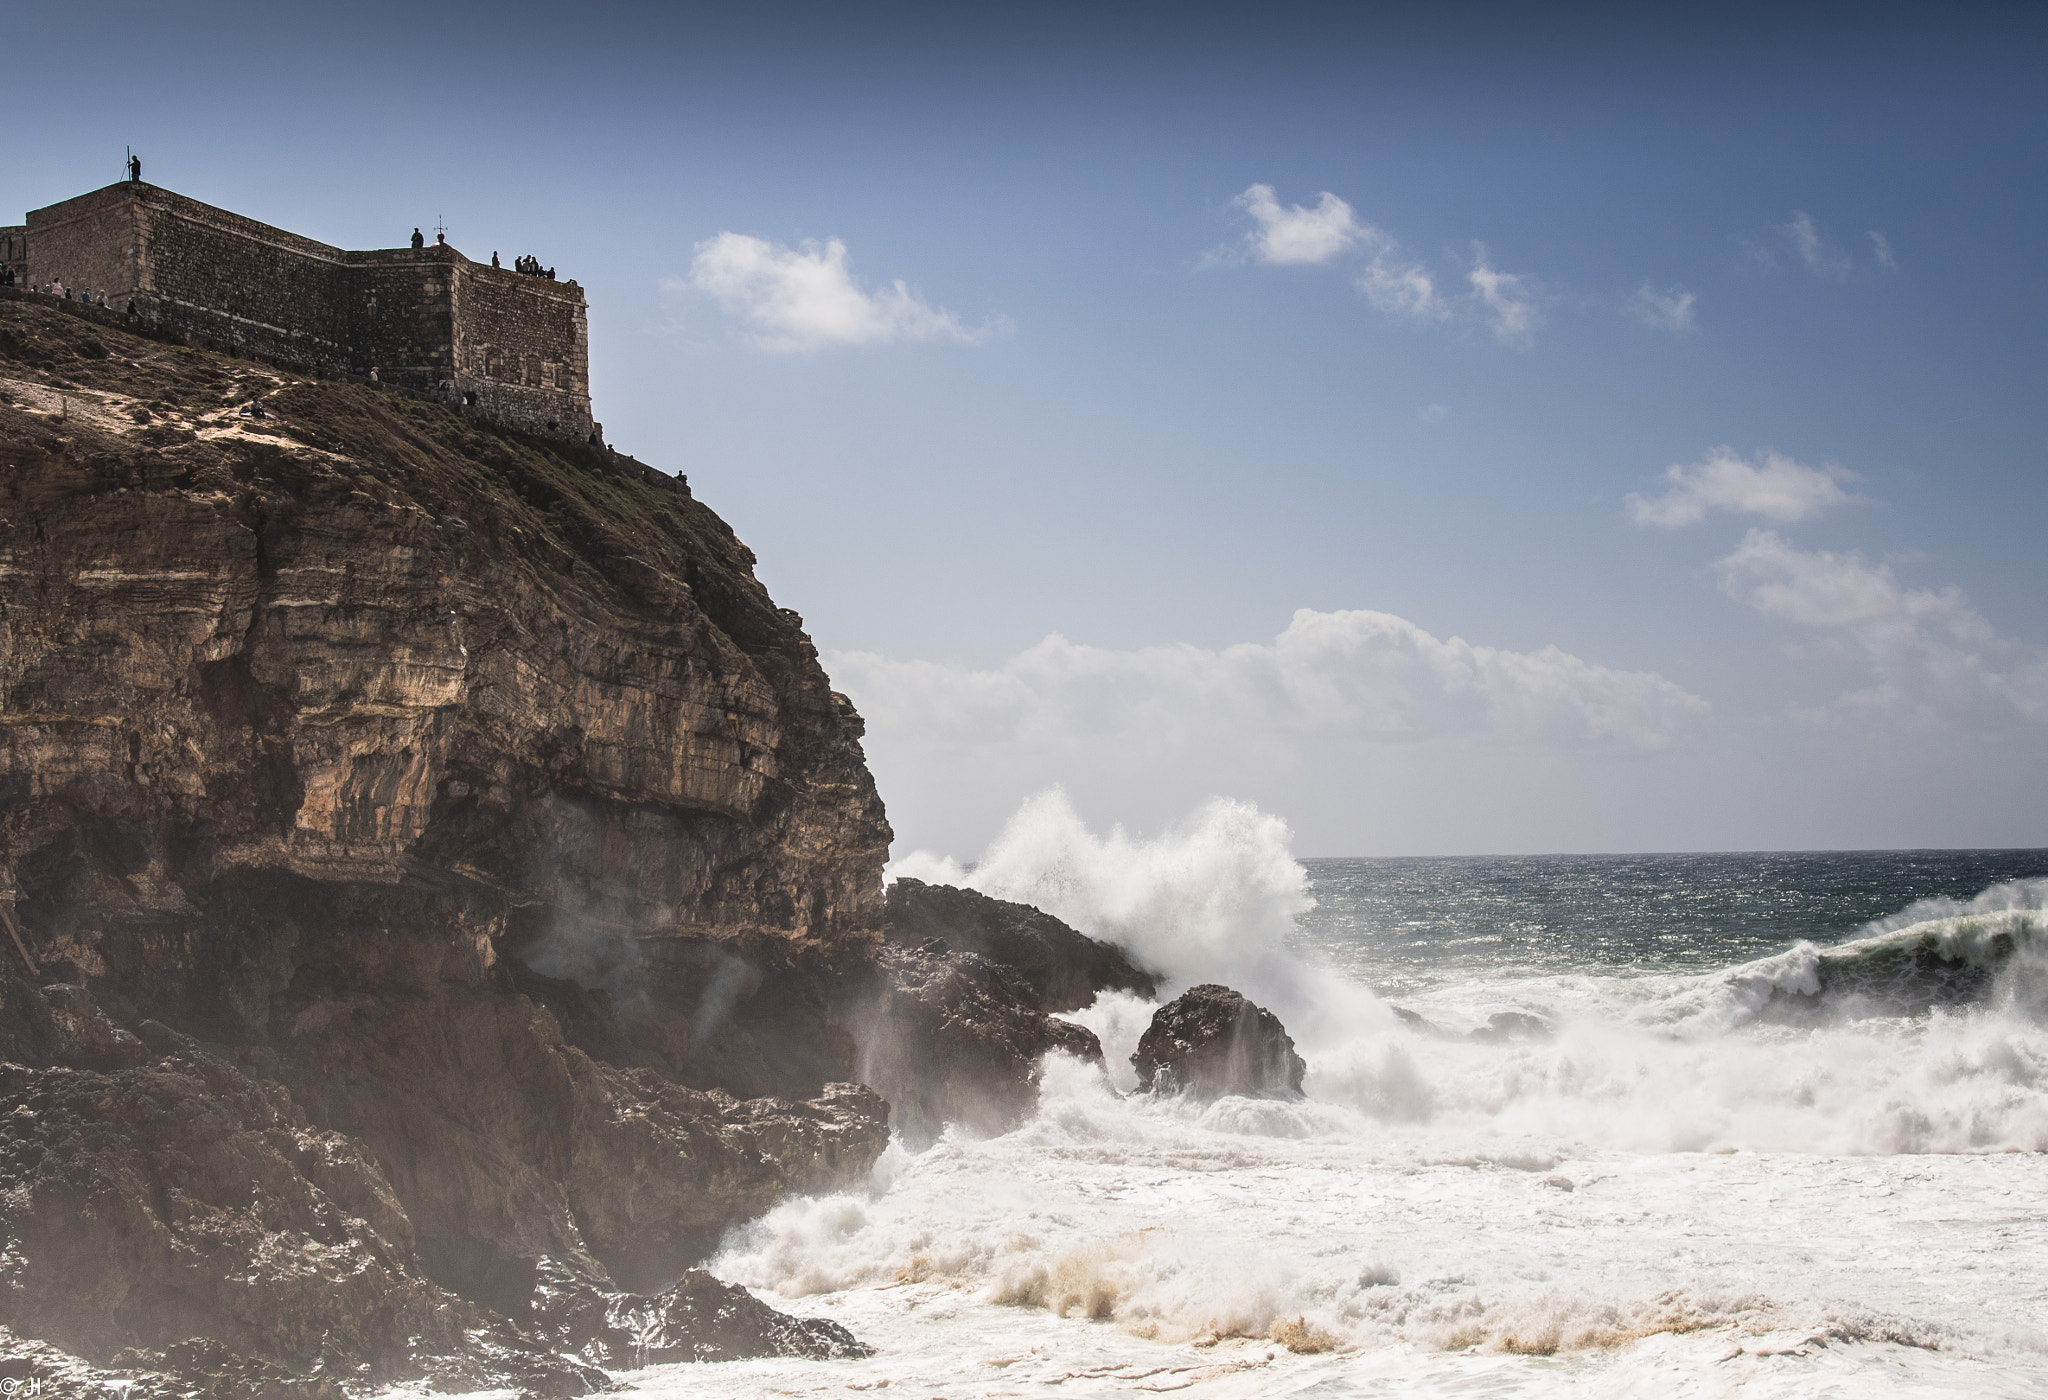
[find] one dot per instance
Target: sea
(1770, 1125)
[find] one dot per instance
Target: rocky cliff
(447, 892)
(351, 748)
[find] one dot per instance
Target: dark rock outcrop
(697, 1318)
(437, 855)
(1064, 970)
(951, 1037)
(1211, 1041)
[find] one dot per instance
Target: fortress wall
(237, 280)
(14, 249)
(407, 299)
(523, 347)
(93, 242)
(425, 317)
(201, 270)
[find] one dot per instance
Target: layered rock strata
(348, 750)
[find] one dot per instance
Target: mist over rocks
(1210, 1041)
(959, 1011)
(952, 1037)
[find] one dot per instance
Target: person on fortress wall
(418, 239)
(494, 257)
(135, 169)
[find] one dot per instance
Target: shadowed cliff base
(449, 892)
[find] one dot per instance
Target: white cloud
(1820, 256)
(1299, 234)
(1507, 298)
(1292, 233)
(1666, 310)
(1401, 288)
(806, 298)
(1773, 486)
(1932, 657)
(1881, 251)
(1331, 676)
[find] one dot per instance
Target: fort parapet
(514, 345)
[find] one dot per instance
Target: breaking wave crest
(1992, 951)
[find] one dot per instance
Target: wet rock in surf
(702, 1319)
(697, 1318)
(1211, 1041)
(1063, 969)
(951, 1037)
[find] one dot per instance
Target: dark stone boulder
(1211, 1041)
(1062, 969)
(954, 1038)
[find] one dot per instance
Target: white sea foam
(1734, 1183)
(1213, 899)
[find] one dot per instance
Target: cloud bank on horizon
(1337, 687)
(1330, 676)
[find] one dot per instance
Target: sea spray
(1793, 1172)
(1214, 898)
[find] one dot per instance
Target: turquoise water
(1407, 926)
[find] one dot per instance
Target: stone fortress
(513, 344)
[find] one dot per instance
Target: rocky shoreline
(449, 895)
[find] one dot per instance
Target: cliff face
(372, 776)
(373, 644)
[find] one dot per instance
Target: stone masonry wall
(515, 346)
(14, 249)
(523, 347)
(92, 242)
(405, 297)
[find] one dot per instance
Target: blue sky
(1294, 367)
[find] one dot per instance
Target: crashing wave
(1992, 951)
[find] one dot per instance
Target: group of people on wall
(55, 288)
(529, 265)
(526, 263)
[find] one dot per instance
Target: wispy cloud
(1668, 309)
(1364, 676)
(1508, 299)
(1395, 283)
(1932, 656)
(1294, 233)
(1821, 257)
(1773, 486)
(806, 298)
(1400, 287)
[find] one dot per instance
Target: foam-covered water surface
(1785, 1154)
